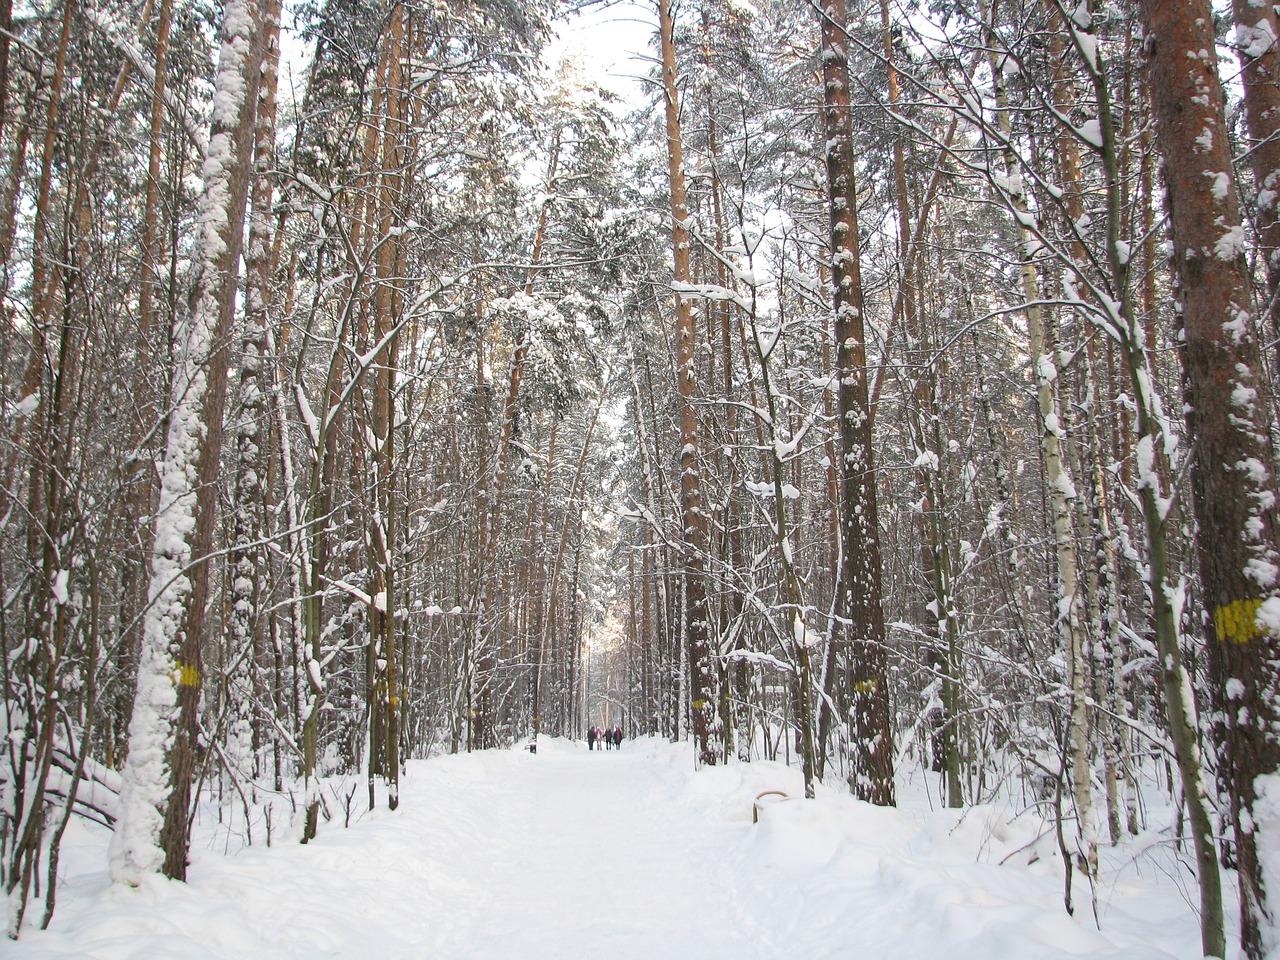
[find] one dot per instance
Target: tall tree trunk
(314, 564)
(1061, 491)
(153, 829)
(1081, 663)
(1258, 44)
(860, 610)
(49, 610)
(539, 588)
(6, 29)
(247, 621)
(146, 425)
(388, 304)
(694, 520)
(1233, 485)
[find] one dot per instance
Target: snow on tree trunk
(859, 603)
(247, 623)
(1233, 485)
(388, 304)
(1155, 433)
(694, 537)
(1061, 490)
(156, 778)
(1258, 44)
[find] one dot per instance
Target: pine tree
(1234, 487)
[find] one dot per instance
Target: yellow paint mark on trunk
(1237, 622)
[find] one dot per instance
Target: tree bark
(247, 621)
(860, 611)
(1061, 490)
(1258, 44)
(153, 828)
(1233, 486)
(388, 304)
(694, 521)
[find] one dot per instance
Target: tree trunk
(860, 612)
(694, 521)
(153, 828)
(1257, 33)
(388, 304)
(1233, 486)
(247, 621)
(1061, 491)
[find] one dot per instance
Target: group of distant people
(608, 739)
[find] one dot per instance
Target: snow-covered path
(582, 857)
(622, 854)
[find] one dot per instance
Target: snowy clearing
(627, 854)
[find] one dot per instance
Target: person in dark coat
(591, 738)
(617, 738)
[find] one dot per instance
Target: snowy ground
(626, 854)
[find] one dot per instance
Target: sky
(613, 43)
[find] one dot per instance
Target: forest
(894, 387)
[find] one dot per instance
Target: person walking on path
(591, 738)
(617, 738)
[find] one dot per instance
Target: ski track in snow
(615, 855)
